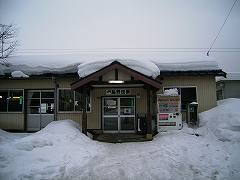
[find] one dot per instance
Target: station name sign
(117, 91)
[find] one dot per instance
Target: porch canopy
(137, 79)
(96, 77)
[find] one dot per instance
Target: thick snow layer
(171, 92)
(224, 120)
(19, 74)
(68, 63)
(188, 66)
(145, 67)
(60, 151)
(57, 151)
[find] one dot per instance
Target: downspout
(54, 80)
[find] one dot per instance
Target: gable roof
(116, 65)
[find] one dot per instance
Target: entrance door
(118, 114)
(40, 109)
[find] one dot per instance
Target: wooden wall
(206, 88)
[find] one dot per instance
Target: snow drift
(47, 154)
(224, 120)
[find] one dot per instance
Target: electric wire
(221, 28)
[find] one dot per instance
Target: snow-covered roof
(188, 66)
(72, 63)
(19, 74)
(147, 68)
(232, 76)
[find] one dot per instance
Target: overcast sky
(94, 24)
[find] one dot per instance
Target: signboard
(117, 91)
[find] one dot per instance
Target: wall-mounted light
(0, 97)
(116, 81)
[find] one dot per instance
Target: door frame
(40, 115)
(118, 115)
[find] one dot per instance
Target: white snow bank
(57, 149)
(145, 67)
(19, 74)
(188, 66)
(5, 136)
(65, 153)
(223, 120)
(171, 92)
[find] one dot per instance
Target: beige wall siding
(12, 121)
(206, 95)
(27, 84)
(65, 82)
(206, 88)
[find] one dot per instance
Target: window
(72, 101)
(11, 100)
(41, 102)
(188, 95)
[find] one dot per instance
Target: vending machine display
(169, 112)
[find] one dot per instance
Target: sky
(107, 25)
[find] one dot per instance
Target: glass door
(118, 114)
(110, 114)
(127, 114)
(40, 109)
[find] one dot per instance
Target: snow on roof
(188, 66)
(86, 64)
(147, 68)
(19, 74)
(232, 76)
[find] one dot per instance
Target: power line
(128, 50)
(221, 28)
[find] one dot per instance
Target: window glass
(3, 101)
(127, 102)
(34, 94)
(15, 101)
(88, 103)
(33, 102)
(46, 94)
(66, 100)
(78, 102)
(72, 101)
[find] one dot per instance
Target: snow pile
(60, 151)
(223, 120)
(19, 74)
(188, 66)
(171, 92)
(147, 68)
(48, 154)
(5, 136)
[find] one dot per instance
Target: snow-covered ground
(60, 151)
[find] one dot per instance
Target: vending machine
(169, 115)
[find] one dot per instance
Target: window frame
(23, 104)
(180, 87)
(74, 111)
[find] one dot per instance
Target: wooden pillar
(84, 113)
(149, 116)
